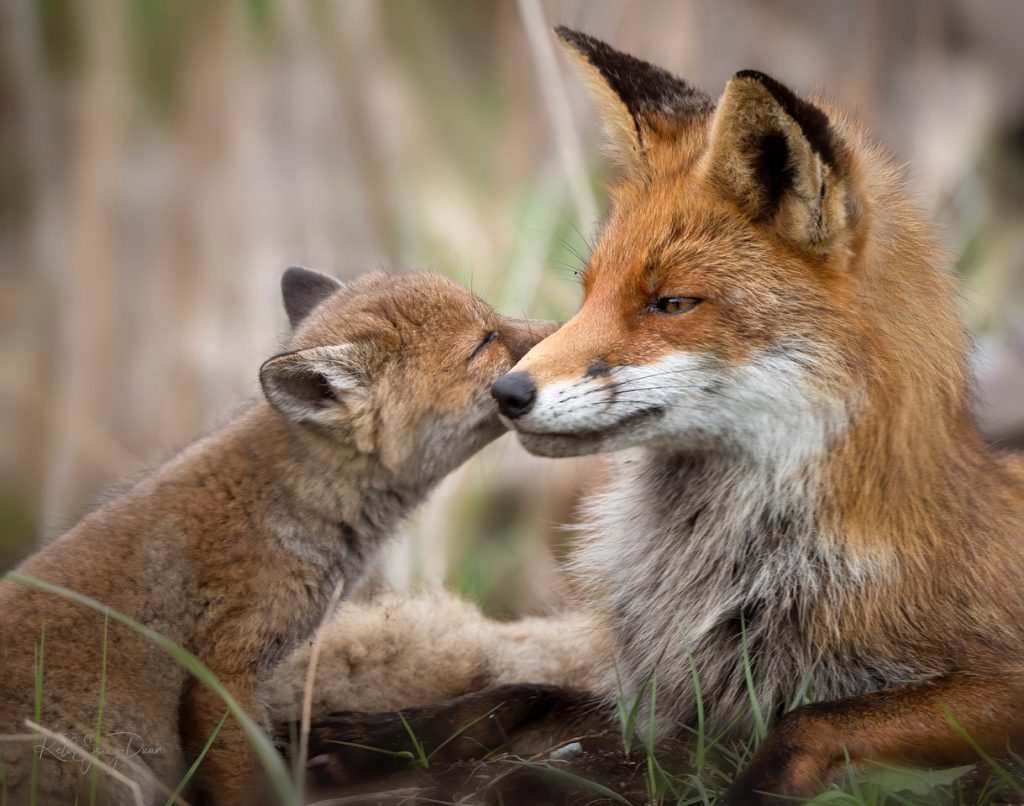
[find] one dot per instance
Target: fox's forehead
(688, 242)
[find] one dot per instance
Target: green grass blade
(654, 707)
(195, 764)
(699, 699)
(403, 754)
(568, 777)
(997, 768)
(620, 710)
(421, 756)
(657, 779)
(851, 775)
(272, 763)
(93, 771)
(760, 726)
(462, 730)
(702, 791)
(803, 690)
(628, 717)
(38, 711)
(719, 740)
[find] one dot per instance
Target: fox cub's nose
(515, 394)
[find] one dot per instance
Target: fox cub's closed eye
(483, 345)
(674, 304)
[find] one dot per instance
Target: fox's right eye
(672, 305)
(484, 344)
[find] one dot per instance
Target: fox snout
(515, 393)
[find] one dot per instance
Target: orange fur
(819, 288)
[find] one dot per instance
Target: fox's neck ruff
(753, 559)
(701, 556)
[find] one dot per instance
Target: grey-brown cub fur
(233, 548)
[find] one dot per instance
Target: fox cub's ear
(778, 157)
(636, 98)
(322, 386)
(303, 290)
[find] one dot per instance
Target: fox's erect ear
(633, 95)
(778, 157)
(323, 386)
(302, 290)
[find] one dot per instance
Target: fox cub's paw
(396, 652)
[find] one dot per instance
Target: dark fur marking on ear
(642, 86)
(773, 169)
(811, 120)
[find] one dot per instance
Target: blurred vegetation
(162, 161)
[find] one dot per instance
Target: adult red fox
(803, 501)
(233, 548)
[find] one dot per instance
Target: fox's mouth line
(628, 421)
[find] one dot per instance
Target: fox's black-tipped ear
(633, 95)
(779, 158)
(302, 290)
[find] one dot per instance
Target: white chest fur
(706, 562)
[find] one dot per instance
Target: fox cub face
(726, 303)
(399, 366)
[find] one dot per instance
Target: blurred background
(161, 162)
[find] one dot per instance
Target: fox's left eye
(483, 345)
(674, 304)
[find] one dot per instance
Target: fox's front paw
(793, 762)
(754, 788)
(350, 746)
(347, 747)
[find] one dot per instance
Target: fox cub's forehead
(393, 311)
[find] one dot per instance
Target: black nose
(515, 394)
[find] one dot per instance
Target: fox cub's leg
(231, 771)
(905, 725)
(397, 652)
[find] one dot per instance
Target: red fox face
(723, 301)
(400, 366)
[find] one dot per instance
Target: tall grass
(38, 711)
(696, 772)
(93, 773)
(271, 761)
(183, 783)
(760, 726)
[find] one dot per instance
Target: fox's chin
(626, 433)
(556, 446)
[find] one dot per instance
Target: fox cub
(802, 501)
(233, 548)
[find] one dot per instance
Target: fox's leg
(905, 725)
(523, 718)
